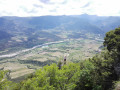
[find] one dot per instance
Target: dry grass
(13, 66)
(58, 54)
(20, 73)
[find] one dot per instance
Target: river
(25, 50)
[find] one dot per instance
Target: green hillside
(97, 73)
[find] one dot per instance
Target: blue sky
(25, 8)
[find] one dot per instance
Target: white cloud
(59, 7)
(104, 7)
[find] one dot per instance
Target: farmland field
(74, 49)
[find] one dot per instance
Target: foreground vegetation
(98, 73)
(86, 75)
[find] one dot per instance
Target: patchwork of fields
(27, 62)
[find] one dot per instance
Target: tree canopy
(112, 40)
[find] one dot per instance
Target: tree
(112, 41)
(4, 83)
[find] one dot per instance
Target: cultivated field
(27, 62)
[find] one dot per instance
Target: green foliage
(87, 75)
(112, 40)
(50, 78)
(4, 83)
(59, 64)
(103, 69)
(90, 74)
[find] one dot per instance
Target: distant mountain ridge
(83, 21)
(30, 30)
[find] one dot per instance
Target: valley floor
(27, 61)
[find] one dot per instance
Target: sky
(24, 8)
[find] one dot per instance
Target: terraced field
(22, 64)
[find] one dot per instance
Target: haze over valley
(26, 32)
(59, 44)
(37, 41)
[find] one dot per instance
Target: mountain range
(29, 31)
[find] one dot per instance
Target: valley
(29, 43)
(24, 62)
(59, 45)
(19, 33)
